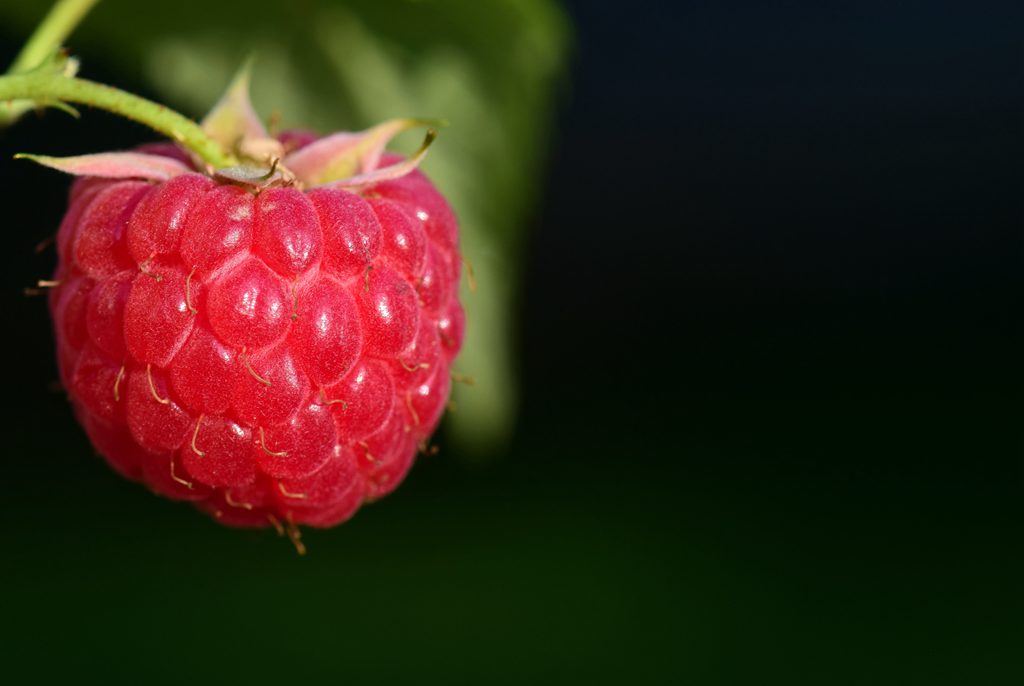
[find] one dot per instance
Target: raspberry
(268, 353)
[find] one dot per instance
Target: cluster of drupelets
(275, 356)
(261, 325)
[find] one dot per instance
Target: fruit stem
(50, 34)
(48, 89)
(45, 41)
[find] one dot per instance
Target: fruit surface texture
(270, 354)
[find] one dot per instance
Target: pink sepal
(114, 165)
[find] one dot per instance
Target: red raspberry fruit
(268, 353)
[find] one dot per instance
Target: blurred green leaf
(489, 68)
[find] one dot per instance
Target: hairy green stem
(51, 33)
(44, 43)
(46, 89)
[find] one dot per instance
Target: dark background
(771, 391)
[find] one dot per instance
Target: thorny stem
(44, 88)
(47, 39)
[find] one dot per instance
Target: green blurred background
(746, 342)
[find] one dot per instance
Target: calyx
(343, 159)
